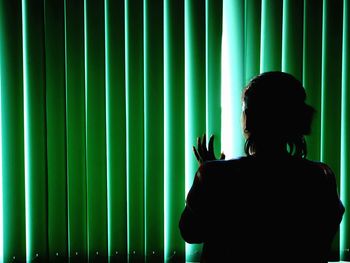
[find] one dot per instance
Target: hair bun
(306, 119)
(276, 100)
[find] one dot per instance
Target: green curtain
(101, 102)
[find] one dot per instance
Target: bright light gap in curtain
(231, 77)
(226, 113)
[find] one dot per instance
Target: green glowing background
(101, 102)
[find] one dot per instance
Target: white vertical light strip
(1, 212)
(232, 77)
(207, 70)
(86, 139)
(262, 35)
(66, 108)
(165, 138)
(107, 84)
(344, 136)
(25, 116)
(226, 83)
(126, 58)
(284, 33)
(145, 120)
(187, 84)
(187, 119)
(323, 79)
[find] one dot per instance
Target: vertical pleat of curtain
(331, 88)
(101, 102)
(75, 130)
(345, 134)
(12, 131)
(55, 114)
(195, 90)
(174, 127)
(116, 129)
(37, 174)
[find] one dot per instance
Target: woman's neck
(266, 149)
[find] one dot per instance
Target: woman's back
(263, 208)
(273, 205)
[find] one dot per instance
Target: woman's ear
(245, 123)
(247, 120)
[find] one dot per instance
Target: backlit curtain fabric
(101, 102)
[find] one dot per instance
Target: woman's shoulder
(221, 167)
(314, 172)
(214, 164)
(252, 164)
(320, 167)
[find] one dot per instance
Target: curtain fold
(271, 35)
(195, 99)
(35, 143)
(102, 101)
(75, 130)
(312, 66)
(134, 55)
(154, 129)
(252, 25)
(116, 129)
(213, 33)
(331, 91)
(12, 131)
(174, 128)
(292, 37)
(95, 129)
(56, 130)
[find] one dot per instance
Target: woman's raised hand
(203, 153)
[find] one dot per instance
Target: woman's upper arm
(333, 206)
(192, 218)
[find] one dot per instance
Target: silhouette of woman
(272, 205)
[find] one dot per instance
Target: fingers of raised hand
(222, 156)
(201, 152)
(199, 147)
(204, 147)
(198, 157)
(211, 147)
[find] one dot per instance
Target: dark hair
(276, 100)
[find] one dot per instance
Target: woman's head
(275, 115)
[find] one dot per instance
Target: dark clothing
(253, 209)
